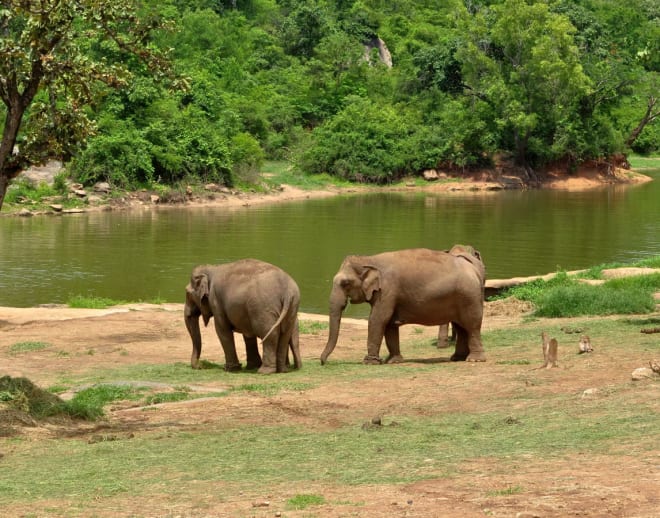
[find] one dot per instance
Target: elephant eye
(345, 283)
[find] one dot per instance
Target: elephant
(413, 286)
(470, 253)
(251, 297)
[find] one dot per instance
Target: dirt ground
(593, 486)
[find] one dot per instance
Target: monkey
(585, 344)
(550, 347)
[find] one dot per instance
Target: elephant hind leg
(294, 344)
(252, 352)
(462, 350)
(392, 344)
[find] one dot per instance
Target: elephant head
(197, 303)
(357, 282)
(472, 255)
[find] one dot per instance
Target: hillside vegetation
(370, 91)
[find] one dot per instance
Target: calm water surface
(141, 255)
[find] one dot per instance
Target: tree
(54, 58)
(522, 59)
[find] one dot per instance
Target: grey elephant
(471, 254)
(415, 286)
(251, 297)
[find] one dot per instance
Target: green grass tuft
(312, 327)
(300, 502)
(92, 302)
(24, 347)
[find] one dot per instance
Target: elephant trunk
(192, 315)
(338, 300)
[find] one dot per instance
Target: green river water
(147, 254)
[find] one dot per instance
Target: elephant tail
(283, 313)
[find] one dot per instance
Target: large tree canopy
(54, 55)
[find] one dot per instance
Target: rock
(56, 207)
(154, 198)
(430, 175)
(643, 373)
(81, 193)
(189, 190)
(73, 211)
(43, 173)
(24, 213)
(103, 187)
(590, 392)
(213, 187)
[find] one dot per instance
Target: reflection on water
(141, 255)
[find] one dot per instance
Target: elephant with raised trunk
(472, 255)
(250, 297)
(415, 286)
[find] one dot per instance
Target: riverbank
(482, 182)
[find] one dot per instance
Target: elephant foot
(267, 370)
(253, 366)
(458, 357)
(443, 344)
(397, 358)
(372, 360)
(477, 357)
(232, 367)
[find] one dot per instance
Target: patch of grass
(511, 490)
(564, 296)
(21, 395)
(24, 347)
(277, 173)
(311, 327)
(300, 502)
(168, 397)
(92, 302)
(88, 403)
(644, 162)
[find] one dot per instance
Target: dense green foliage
(303, 81)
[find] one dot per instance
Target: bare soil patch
(81, 341)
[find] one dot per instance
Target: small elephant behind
(251, 297)
(469, 253)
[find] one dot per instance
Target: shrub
(364, 142)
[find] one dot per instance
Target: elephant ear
(200, 283)
(370, 281)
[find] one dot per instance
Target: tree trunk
(9, 134)
(648, 117)
(4, 184)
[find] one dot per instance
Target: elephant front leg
(392, 343)
(252, 352)
(476, 348)
(192, 324)
(374, 339)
